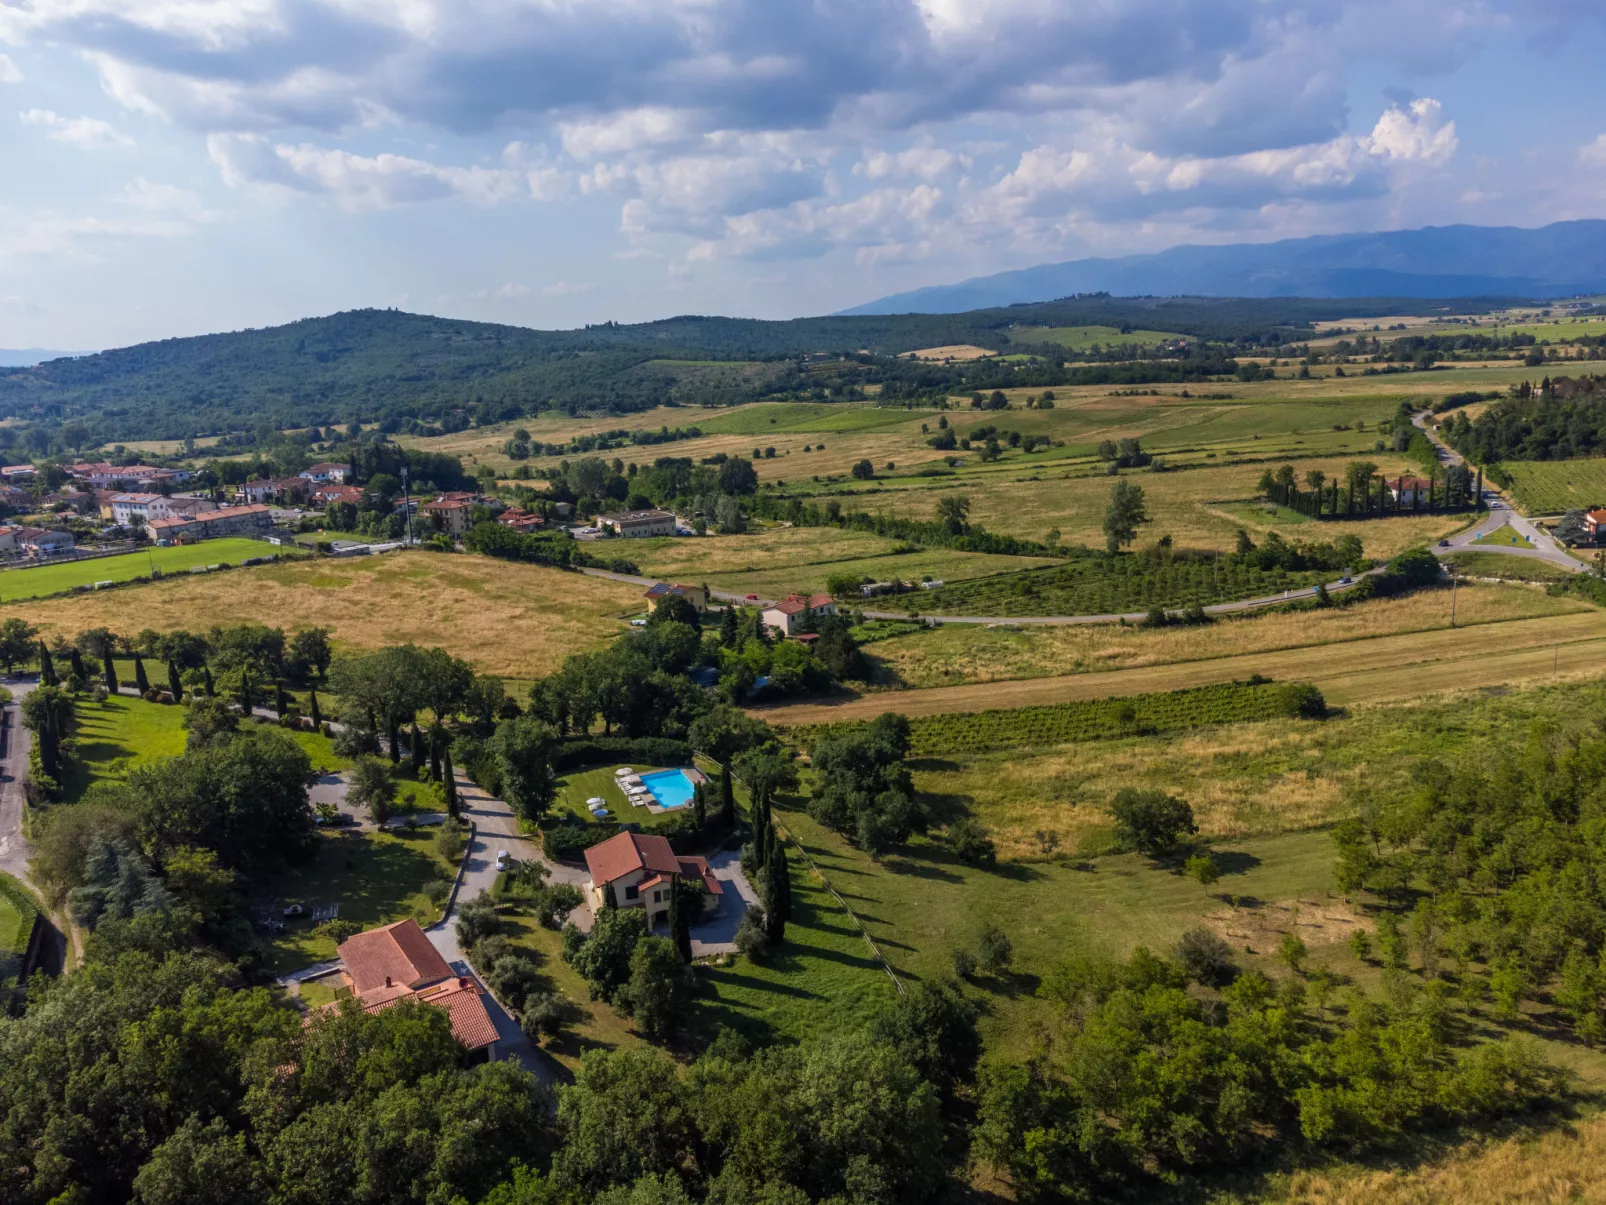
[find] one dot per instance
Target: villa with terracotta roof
(640, 868)
(788, 616)
(1405, 491)
(397, 962)
(452, 511)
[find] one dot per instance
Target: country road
(13, 769)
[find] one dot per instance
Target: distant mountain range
(1559, 260)
(27, 357)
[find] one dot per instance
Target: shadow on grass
(738, 982)
(1232, 861)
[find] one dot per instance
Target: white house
(146, 508)
(44, 542)
(327, 473)
(787, 616)
(1407, 491)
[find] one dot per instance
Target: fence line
(836, 895)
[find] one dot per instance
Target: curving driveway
(13, 769)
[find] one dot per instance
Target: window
(631, 892)
(658, 897)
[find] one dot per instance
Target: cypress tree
(314, 710)
(727, 801)
(437, 742)
(141, 682)
(206, 684)
(449, 777)
(780, 896)
(281, 701)
(47, 666)
(609, 900)
(782, 871)
(680, 920)
(175, 682)
(247, 703)
(727, 627)
(699, 806)
(110, 670)
(393, 731)
(75, 660)
(416, 749)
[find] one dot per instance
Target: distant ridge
(27, 357)
(1559, 260)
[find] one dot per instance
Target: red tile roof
(396, 954)
(697, 868)
(618, 856)
(463, 1002)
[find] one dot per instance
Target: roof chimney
(387, 981)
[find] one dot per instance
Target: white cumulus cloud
(90, 133)
(1593, 154)
(10, 73)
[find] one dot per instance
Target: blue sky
(171, 167)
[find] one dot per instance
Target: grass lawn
(19, 585)
(1505, 537)
(124, 733)
(17, 912)
(512, 619)
(1083, 337)
(376, 878)
(1492, 564)
(600, 782)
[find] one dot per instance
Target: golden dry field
(506, 618)
(953, 654)
(1381, 668)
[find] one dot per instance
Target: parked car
(502, 859)
(1345, 580)
(1444, 543)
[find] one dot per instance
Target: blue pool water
(671, 788)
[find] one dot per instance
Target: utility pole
(407, 505)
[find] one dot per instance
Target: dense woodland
(434, 374)
(1553, 419)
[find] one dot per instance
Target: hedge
(594, 750)
(14, 943)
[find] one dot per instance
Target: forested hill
(378, 364)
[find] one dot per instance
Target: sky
(174, 167)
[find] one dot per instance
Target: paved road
(13, 769)
(1501, 514)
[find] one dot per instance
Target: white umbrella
(623, 771)
(596, 801)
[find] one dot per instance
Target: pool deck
(693, 775)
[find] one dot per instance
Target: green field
(1099, 586)
(1082, 337)
(1548, 487)
(17, 585)
(1521, 569)
(17, 912)
(795, 417)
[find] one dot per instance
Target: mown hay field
(951, 654)
(1403, 666)
(506, 618)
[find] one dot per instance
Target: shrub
(338, 930)
(544, 1016)
(436, 891)
(1206, 957)
(514, 978)
(568, 841)
(1301, 700)
(751, 939)
(964, 964)
(450, 839)
(994, 951)
(477, 920)
(605, 750)
(971, 843)
(554, 904)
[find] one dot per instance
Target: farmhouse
(640, 868)
(229, 521)
(103, 475)
(14, 473)
(284, 489)
(636, 524)
(659, 591)
(795, 612)
(327, 473)
(1593, 521)
(394, 963)
(128, 509)
(1407, 491)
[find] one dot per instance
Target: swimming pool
(670, 788)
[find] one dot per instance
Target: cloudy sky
(172, 167)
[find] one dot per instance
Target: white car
(502, 858)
